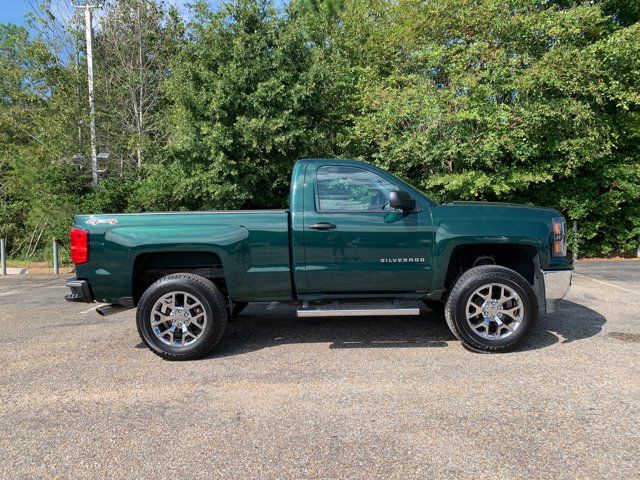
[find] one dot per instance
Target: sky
(12, 11)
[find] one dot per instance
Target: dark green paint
(253, 246)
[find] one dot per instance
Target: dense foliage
(533, 102)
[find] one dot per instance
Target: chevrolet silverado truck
(356, 241)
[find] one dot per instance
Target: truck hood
(474, 214)
(483, 205)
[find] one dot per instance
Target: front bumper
(80, 291)
(556, 286)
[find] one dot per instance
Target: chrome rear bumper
(556, 286)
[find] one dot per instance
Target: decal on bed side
(97, 221)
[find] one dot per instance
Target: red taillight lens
(79, 241)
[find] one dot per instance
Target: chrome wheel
(494, 311)
(178, 319)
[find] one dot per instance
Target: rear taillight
(79, 241)
(559, 237)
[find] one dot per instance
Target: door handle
(322, 226)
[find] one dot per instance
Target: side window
(351, 189)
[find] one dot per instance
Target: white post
(56, 268)
(638, 252)
(88, 30)
(92, 111)
(3, 255)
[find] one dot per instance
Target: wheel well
(149, 267)
(520, 258)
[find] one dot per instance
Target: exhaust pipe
(105, 310)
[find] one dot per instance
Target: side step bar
(357, 310)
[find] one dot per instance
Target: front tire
(491, 309)
(181, 316)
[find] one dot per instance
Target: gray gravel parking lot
(322, 398)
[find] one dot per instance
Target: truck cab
(358, 231)
(355, 240)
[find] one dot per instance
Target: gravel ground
(322, 398)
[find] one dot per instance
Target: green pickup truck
(356, 241)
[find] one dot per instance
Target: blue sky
(12, 11)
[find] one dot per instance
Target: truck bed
(252, 245)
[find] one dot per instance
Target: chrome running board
(351, 309)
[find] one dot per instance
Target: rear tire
(491, 309)
(181, 317)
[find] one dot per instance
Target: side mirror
(401, 200)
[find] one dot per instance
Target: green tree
(134, 47)
(332, 8)
(534, 102)
(503, 101)
(39, 135)
(244, 100)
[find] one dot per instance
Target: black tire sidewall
(215, 324)
(512, 281)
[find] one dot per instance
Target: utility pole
(92, 111)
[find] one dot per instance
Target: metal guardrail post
(56, 266)
(3, 255)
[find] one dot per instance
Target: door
(354, 243)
